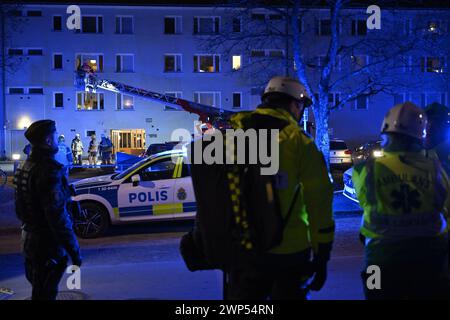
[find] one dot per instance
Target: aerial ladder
(212, 116)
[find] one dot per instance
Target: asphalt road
(143, 262)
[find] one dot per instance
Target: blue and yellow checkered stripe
(158, 209)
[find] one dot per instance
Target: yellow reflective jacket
(404, 195)
(311, 222)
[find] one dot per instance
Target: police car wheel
(94, 221)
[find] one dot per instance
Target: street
(142, 261)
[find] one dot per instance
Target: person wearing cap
(64, 154)
(105, 149)
(405, 196)
(42, 199)
(284, 272)
(77, 149)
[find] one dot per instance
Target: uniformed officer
(405, 196)
(42, 199)
(283, 273)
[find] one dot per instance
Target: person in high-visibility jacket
(286, 269)
(405, 197)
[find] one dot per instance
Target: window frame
(99, 107)
(54, 100)
(214, 93)
(121, 102)
(121, 55)
(240, 99)
(53, 23)
(53, 61)
(217, 69)
(97, 16)
(214, 24)
(175, 55)
(97, 58)
(178, 24)
(120, 17)
(355, 106)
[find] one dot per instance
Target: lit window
(432, 64)
(90, 101)
(207, 63)
(124, 102)
(92, 61)
(236, 62)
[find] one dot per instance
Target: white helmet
(407, 119)
(288, 86)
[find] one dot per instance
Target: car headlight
(378, 153)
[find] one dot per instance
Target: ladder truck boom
(88, 81)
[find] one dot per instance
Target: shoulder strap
(291, 207)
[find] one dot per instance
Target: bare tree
(369, 62)
(9, 24)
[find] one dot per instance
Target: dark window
(276, 53)
(15, 52)
(124, 25)
(236, 100)
(158, 171)
(35, 91)
(325, 27)
(92, 24)
(90, 133)
(35, 52)
(34, 13)
(359, 27)
(16, 91)
(15, 13)
(258, 16)
(361, 102)
(275, 17)
(338, 145)
(57, 61)
(169, 25)
(59, 100)
(236, 25)
(57, 23)
(258, 53)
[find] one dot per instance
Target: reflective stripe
(406, 225)
(159, 209)
(116, 212)
(178, 167)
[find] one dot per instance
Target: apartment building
(162, 49)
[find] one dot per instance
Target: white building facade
(155, 48)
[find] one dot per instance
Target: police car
(156, 188)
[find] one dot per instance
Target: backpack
(238, 214)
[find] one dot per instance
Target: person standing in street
(92, 151)
(105, 149)
(64, 154)
(77, 149)
(405, 195)
(304, 189)
(42, 199)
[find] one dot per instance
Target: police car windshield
(130, 169)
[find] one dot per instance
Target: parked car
(362, 153)
(155, 148)
(340, 154)
(371, 148)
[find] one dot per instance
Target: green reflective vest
(404, 196)
(311, 222)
